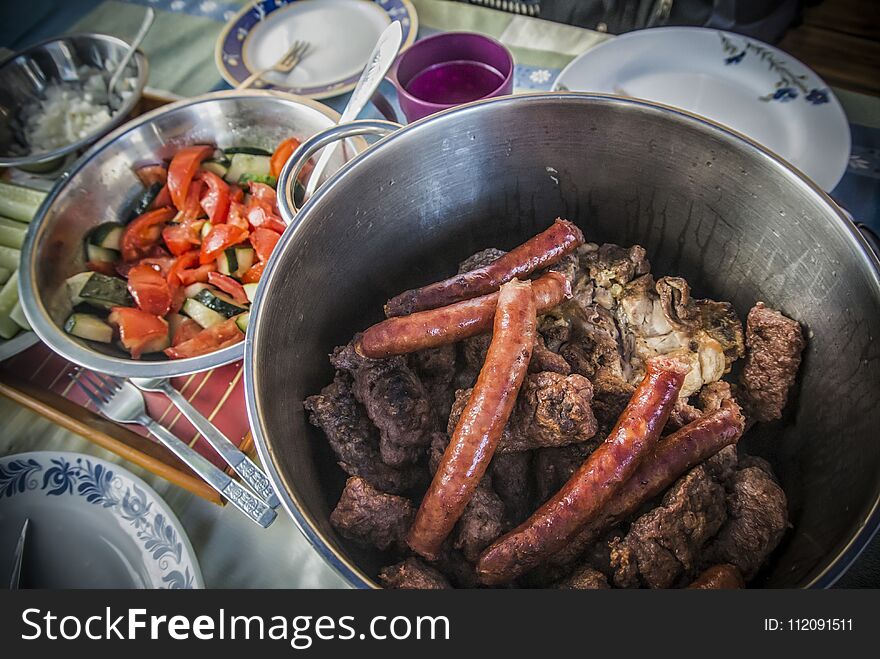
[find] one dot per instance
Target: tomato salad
(179, 277)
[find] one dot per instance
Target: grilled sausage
(589, 490)
(536, 253)
(719, 577)
(672, 456)
(479, 429)
(452, 323)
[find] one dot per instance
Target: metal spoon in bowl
(380, 61)
(113, 100)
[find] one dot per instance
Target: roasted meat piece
(354, 439)
(757, 518)
(512, 481)
(395, 400)
(371, 517)
(775, 344)
(480, 259)
(611, 264)
(481, 522)
(436, 367)
(551, 410)
(666, 543)
(554, 466)
(413, 574)
(584, 578)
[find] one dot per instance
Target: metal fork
(285, 65)
(120, 401)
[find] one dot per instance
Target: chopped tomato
(192, 207)
(194, 275)
(282, 155)
(237, 216)
(162, 199)
(208, 340)
(144, 233)
(236, 193)
(162, 263)
(229, 286)
(252, 276)
(264, 241)
(265, 193)
(152, 174)
(261, 214)
(149, 289)
(218, 239)
(186, 270)
(180, 238)
(104, 267)
(139, 330)
(187, 330)
(183, 167)
(215, 200)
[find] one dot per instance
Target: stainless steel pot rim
(38, 316)
(143, 69)
(835, 567)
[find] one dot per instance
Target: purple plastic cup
(449, 69)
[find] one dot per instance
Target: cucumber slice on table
(86, 326)
(242, 321)
(202, 314)
(9, 258)
(242, 163)
(246, 150)
(99, 290)
(8, 300)
(220, 302)
(18, 202)
(107, 235)
(12, 233)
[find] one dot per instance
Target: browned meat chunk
(544, 359)
(757, 517)
(584, 578)
(395, 400)
(371, 517)
(436, 367)
(480, 259)
(775, 344)
(665, 544)
(713, 394)
(413, 574)
(554, 466)
(354, 438)
(481, 522)
(551, 410)
(611, 264)
(512, 481)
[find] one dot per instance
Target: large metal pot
(101, 185)
(735, 220)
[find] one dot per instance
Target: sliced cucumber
(216, 167)
(194, 289)
(227, 262)
(175, 320)
(257, 178)
(142, 202)
(246, 150)
(12, 233)
(9, 258)
(251, 291)
(107, 235)
(243, 163)
(5, 274)
(86, 326)
(8, 300)
(245, 256)
(206, 229)
(202, 314)
(242, 321)
(99, 290)
(220, 302)
(92, 310)
(18, 202)
(17, 314)
(95, 253)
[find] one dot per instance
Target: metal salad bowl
(707, 204)
(25, 75)
(102, 185)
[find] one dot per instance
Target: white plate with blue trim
(93, 524)
(739, 82)
(341, 35)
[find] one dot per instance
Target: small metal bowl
(25, 76)
(101, 186)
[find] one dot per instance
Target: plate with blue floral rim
(341, 35)
(93, 524)
(749, 86)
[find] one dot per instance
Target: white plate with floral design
(93, 524)
(745, 84)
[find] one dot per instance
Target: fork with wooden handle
(284, 65)
(250, 473)
(121, 401)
